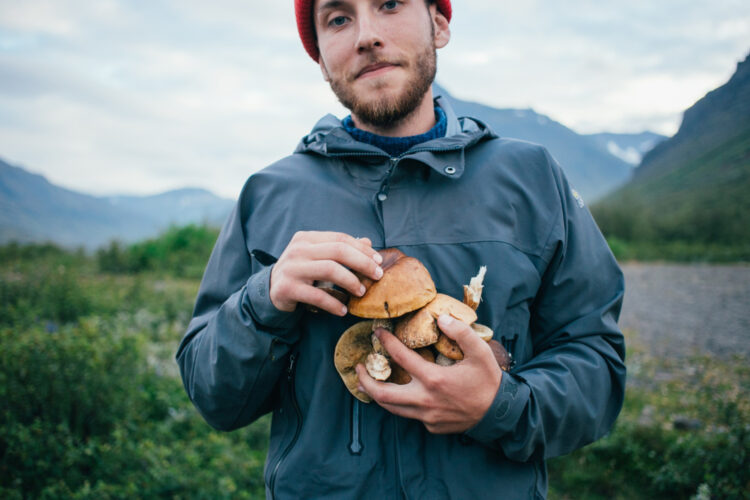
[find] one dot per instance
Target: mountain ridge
(592, 169)
(32, 209)
(692, 187)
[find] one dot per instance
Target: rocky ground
(682, 309)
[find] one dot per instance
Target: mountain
(693, 186)
(628, 147)
(34, 210)
(591, 168)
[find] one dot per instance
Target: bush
(651, 453)
(180, 252)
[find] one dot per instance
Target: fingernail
(377, 258)
(362, 290)
(378, 273)
(378, 332)
(343, 310)
(445, 320)
(360, 388)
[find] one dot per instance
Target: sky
(143, 96)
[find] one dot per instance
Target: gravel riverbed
(683, 309)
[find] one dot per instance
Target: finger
(364, 245)
(327, 271)
(408, 359)
(319, 299)
(406, 411)
(348, 256)
(386, 393)
(466, 338)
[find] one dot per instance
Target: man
(403, 171)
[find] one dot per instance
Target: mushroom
(502, 356)
(353, 347)
(405, 301)
(405, 286)
(329, 288)
(420, 329)
(473, 291)
(400, 376)
(449, 348)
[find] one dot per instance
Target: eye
(390, 5)
(337, 21)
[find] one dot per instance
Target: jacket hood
(329, 138)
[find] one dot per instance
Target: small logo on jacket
(577, 197)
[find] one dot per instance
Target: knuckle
(429, 418)
(433, 380)
(339, 252)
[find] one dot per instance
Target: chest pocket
(514, 334)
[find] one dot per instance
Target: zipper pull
(290, 368)
(383, 192)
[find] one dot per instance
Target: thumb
(466, 338)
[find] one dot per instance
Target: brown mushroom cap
(485, 332)
(449, 347)
(406, 286)
(400, 376)
(352, 349)
(420, 328)
(502, 356)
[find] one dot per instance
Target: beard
(389, 110)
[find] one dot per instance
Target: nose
(369, 34)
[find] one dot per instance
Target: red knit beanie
(306, 25)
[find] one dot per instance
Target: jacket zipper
(355, 445)
(397, 448)
(290, 377)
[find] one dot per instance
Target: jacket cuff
(258, 300)
(504, 412)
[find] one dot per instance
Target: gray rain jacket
(552, 295)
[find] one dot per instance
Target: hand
(447, 399)
(322, 256)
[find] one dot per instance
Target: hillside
(628, 147)
(591, 168)
(34, 210)
(692, 187)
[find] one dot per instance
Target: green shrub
(648, 454)
(180, 252)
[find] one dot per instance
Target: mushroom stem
(473, 291)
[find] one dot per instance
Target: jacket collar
(445, 155)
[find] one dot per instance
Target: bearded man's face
(379, 63)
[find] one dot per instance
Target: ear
(442, 28)
(323, 68)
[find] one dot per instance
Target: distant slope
(591, 169)
(34, 210)
(693, 187)
(628, 147)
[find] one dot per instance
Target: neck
(417, 122)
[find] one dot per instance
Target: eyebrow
(330, 5)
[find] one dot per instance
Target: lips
(374, 67)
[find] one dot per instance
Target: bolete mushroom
(420, 329)
(353, 347)
(406, 285)
(406, 302)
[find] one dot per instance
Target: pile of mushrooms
(405, 302)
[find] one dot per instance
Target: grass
(684, 431)
(93, 406)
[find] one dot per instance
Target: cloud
(117, 96)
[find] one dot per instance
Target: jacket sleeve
(571, 391)
(236, 344)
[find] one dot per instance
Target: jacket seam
(464, 242)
